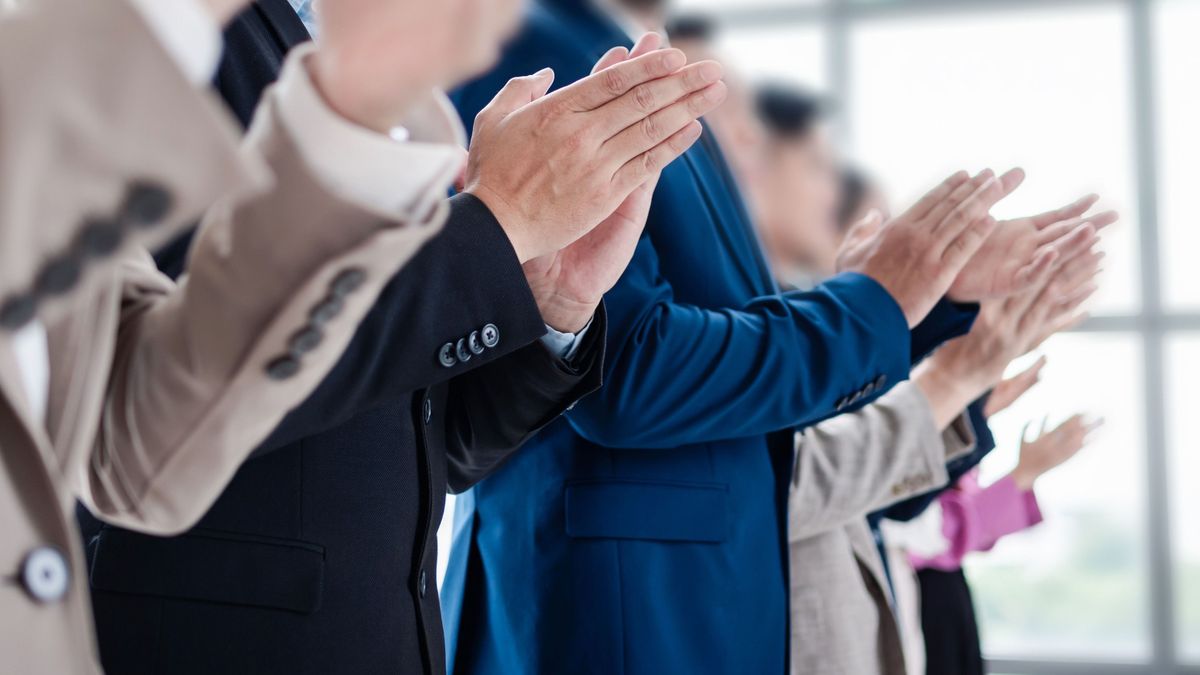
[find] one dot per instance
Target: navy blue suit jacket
(646, 533)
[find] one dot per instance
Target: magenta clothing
(975, 518)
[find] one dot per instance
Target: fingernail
(715, 92)
(543, 73)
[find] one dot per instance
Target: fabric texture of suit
(320, 556)
(157, 392)
(646, 535)
(841, 610)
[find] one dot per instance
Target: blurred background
(1086, 95)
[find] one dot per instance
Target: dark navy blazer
(646, 535)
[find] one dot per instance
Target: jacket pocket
(650, 510)
(211, 566)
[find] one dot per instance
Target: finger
(1073, 210)
(978, 204)
(663, 124)
(612, 83)
(1025, 432)
(611, 58)
(958, 195)
(868, 226)
(647, 43)
(646, 99)
(1076, 242)
(964, 247)
(937, 195)
(1038, 271)
(517, 93)
(643, 167)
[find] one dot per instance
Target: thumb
(518, 93)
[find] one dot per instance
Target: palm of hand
(995, 271)
(583, 272)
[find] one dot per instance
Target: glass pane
(1177, 25)
(1045, 89)
(793, 54)
(1074, 586)
(1183, 359)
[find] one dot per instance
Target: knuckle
(644, 99)
(613, 81)
(651, 128)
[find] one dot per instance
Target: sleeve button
(446, 355)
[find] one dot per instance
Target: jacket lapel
(12, 389)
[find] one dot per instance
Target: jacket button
(45, 574)
(490, 335)
(880, 382)
(325, 311)
(146, 204)
(58, 276)
(283, 368)
(461, 350)
(427, 411)
(869, 389)
(99, 238)
(17, 311)
(446, 355)
(347, 281)
(306, 339)
(474, 343)
(423, 583)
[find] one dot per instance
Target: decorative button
(99, 238)
(58, 276)
(841, 404)
(17, 311)
(146, 204)
(869, 389)
(325, 311)
(347, 281)
(446, 355)
(423, 583)
(45, 574)
(427, 411)
(490, 335)
(461, 350)
(880, 382)
(283, 368)
(474, 343)
(306, 339)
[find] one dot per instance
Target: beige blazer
(157, 392)
(847, 467)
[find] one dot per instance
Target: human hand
(1008, 391)
(552, 168)
(963, 369)
(1052, 449)
(569, 284)
(1008, 261)
(918, 255)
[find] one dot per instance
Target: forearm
(947, 393)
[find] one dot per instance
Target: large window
(1087, 95)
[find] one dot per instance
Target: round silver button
(490, 335)
(446, 355)
(45, 574)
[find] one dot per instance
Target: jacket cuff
(946, 321)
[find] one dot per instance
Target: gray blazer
(845, 468)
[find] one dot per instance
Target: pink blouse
(975, 518)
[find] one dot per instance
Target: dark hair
(788, 111)
(854, 190)
(691, 27)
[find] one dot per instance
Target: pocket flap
(211, 567)
(661, 511)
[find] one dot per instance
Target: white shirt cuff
(564, 345)
(404, 175)
(189, 33)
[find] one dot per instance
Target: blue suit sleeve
(681, 374)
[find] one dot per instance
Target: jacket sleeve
(853, 464)
(463, 280)
(974, 520)
(203, 372)
(955, 469)
(493, 410)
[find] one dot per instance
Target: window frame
(1153, 322)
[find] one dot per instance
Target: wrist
(566, 316)
(510, 221)
(948, 392)
(1023, 478)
